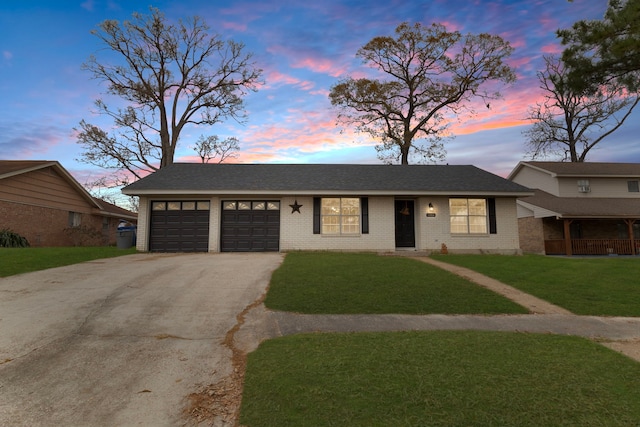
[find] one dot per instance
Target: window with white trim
(468, 216)
(340, 215)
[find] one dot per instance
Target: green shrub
(9, 239)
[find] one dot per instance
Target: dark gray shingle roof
(585, 207)
(322, 178)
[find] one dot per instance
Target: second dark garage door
(250, 226)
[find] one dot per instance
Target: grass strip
(443, 378)
(23, 260)
(352, 283)
(603, 286)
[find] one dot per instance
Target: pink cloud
(276, 79)
(319, 65)
(552, 48)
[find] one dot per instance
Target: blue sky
(303, 47)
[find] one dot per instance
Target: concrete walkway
(619, 333)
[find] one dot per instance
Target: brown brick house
(579, 208)
(41, 201)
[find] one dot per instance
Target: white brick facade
(296, 229)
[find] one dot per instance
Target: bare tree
(211, 148)
(171, 76)
(568, 124)
(431, 72)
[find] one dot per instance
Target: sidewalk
(621, 334)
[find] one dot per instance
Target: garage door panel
(179, 230)
(254, 230)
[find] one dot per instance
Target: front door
(405, 227)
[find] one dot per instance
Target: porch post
(630, 223)
(567, 237)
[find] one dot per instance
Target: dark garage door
(179, 226)
(250, 226)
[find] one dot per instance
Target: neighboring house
(41, 201)
(278, 207)
(579, 208)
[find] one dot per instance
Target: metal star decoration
(295, 207)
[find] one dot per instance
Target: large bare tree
(570, 122)
(169, 76)
(430, 73)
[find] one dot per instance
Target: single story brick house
(189, 207)
(41, 201)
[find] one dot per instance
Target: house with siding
(579, 208)
(287, 207)
(41, 201)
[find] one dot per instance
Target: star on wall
(295, 207)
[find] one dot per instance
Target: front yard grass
(23, 260)
(365, 283)
(444, 378)
(586, 286)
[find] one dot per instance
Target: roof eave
(325, 192)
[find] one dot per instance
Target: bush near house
(9, 239)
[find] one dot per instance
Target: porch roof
(579, 207)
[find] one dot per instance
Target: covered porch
(592, 236)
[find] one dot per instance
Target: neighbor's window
(75, 219)
(633, 186)
(468, 216)
(340, 215)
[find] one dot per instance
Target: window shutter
(364, 209)
(316, 215)
(493, 226)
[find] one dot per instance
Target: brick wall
(296, 229)
(44, 226)
(531, 235)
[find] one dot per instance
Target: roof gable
(198, 178)
(10, 168)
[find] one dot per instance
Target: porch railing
(591, 247)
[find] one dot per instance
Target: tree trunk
(404, 155)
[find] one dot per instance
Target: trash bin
(126, 236)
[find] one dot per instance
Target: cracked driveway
(121, 341)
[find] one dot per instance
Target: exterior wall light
(431, 211)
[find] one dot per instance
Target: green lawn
(23, 260)
(348, 283)
(443, 378)
(608, 286)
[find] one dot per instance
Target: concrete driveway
(121, 341)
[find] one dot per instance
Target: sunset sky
(303, 48)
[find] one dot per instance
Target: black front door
(405, 227)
